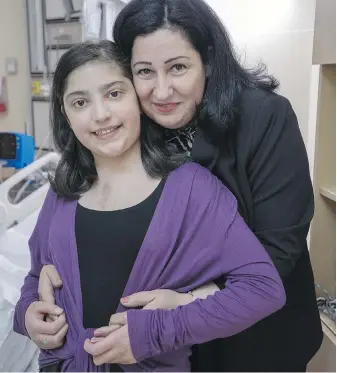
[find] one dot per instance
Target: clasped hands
(111, 344)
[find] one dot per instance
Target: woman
(233, 123)
(152, 215)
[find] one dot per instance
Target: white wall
(14, 43)
(280, 34)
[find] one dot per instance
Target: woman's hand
(167, 299)
(161, 298)
(111, 344)
(46, 335)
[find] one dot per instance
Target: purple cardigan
(196, 235)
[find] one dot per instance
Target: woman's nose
(162, 89)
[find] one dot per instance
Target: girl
(127, 212)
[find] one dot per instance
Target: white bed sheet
(17, 353)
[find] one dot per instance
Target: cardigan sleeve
(253, 289)
(37, 242)
(280, 182)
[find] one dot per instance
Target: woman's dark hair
(225, 77)
(76, 171)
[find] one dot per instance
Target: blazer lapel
(203, 151)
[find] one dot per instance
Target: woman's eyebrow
(167, 61)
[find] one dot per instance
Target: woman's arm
(167, 299)
(253, 289)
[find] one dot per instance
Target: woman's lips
(166, 108)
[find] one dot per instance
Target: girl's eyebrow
(104, 87)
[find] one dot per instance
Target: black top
(263, 161)
(108, 243)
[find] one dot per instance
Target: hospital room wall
(14, 43)
(280, 34)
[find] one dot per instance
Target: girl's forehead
(94, 73)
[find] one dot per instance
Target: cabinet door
(41, 124)
(324, 50)
(53, 57)
(325, 359)
(36, 35)
(57, 9)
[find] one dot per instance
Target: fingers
(118, 319)
(103, 358)
(49, 279)
(53, 341)
(59, 336)
(97, 348)
(50, 328)
(151, 306)
(104, 331)
(140, 299)
(54, 276)
(51, 318)
(49, 308)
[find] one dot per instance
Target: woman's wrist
(202, 292)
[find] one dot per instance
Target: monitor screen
(7, 146)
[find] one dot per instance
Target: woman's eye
(79, 103)
(114, 94)
(179, 67)
(144, 72)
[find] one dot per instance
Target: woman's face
(102, 109)
(169, 77)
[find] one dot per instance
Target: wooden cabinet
(323, 228)
(324, 51)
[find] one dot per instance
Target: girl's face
(102, 109)
(169, 77)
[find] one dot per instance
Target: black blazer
(264, 163)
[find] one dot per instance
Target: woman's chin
(170, 122)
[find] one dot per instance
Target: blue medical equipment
(16, 149)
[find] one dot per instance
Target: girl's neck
(116, 170)
(122, 182)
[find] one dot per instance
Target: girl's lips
(107, 133)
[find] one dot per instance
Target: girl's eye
(79, 103)
(144, 72)
(179, 68)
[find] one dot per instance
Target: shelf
(62, 20)
(41, 98)
(330, 324)
(40, 74)
(329, 327)
(59, 46)
(329, 193)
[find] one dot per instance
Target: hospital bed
(21, 198)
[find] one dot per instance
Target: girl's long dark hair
(226, 77)
(76, 171)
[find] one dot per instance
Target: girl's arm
(37, 243)
(253, 289)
